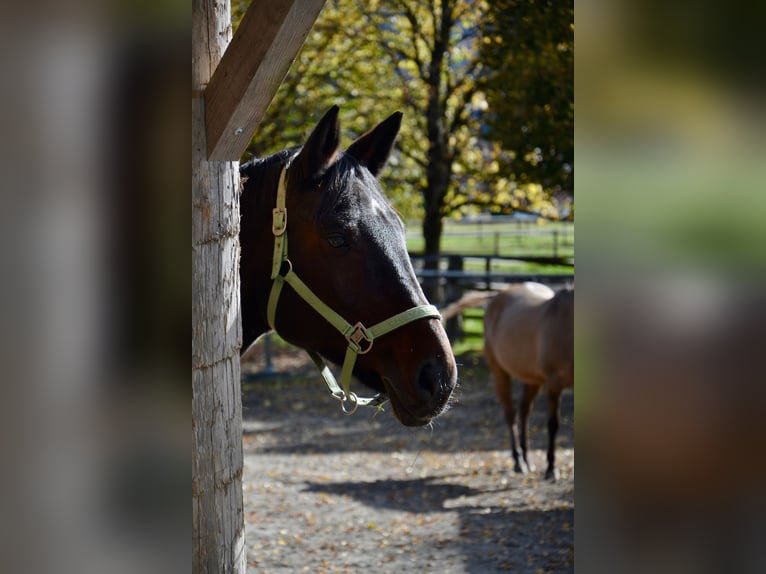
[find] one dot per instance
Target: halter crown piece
(360, 338)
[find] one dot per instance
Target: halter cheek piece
(360, 338)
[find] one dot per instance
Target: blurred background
(669, 322)
(670, 308)
(94, 224)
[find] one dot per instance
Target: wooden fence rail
(502, 239)
(483, 271)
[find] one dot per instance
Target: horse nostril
(433, 378)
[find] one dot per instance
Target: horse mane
(251, 166)
(339, 196)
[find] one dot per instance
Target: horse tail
(470, 299)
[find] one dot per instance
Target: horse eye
(337, 241)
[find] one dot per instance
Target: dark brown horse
(347, 247)
(528, 335)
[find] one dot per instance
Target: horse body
(528, 335)
(347, 244)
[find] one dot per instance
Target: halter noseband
(359, 337)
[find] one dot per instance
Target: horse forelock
(351, 194)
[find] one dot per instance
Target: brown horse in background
(528, 335)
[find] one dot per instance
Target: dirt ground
(326, 492)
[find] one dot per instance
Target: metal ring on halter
(285, 267)
(350, 397)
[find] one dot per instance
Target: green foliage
(342, 63)
(529, 47)
(422, 57)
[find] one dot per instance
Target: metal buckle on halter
(359, 334)
(278, 220)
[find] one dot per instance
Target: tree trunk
(432, 230)
(218, 534)
(439, 168)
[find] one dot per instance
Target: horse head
(347, 245)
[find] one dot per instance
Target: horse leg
(530, 392)
(503, 389)
(553, 427)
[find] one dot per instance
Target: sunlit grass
(502, 239)
(472, 339)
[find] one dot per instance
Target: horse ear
(373, 148)
(320, 150)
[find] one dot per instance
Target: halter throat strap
(360, 338)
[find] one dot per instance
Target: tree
(434, 48)
(376, 56)
(423, 57)
(529, 56)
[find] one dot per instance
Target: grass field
(473, 333)
(505, 239)
(510, 266)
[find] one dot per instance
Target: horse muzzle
(416, 400)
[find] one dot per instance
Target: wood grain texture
(218, 535)
(266, 42)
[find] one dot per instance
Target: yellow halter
(360, 338)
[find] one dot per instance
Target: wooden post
(271, 34)
(218, 533)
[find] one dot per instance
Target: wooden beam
(252, 68)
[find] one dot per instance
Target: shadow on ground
(330, 492)
(489, 538)
(312, 420)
